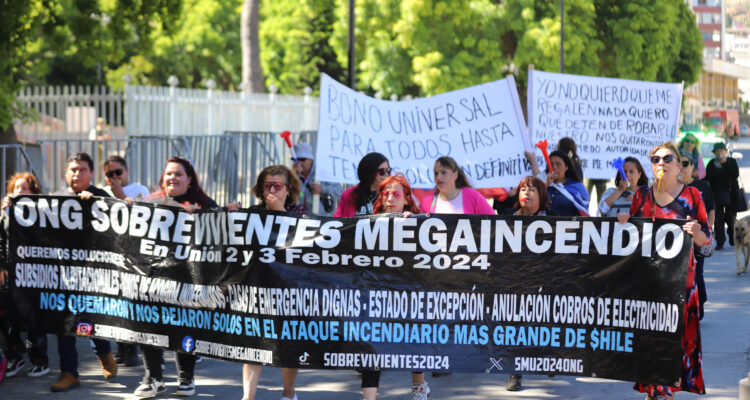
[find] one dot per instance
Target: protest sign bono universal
(481, 127)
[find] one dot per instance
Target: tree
(425, 47)
(252, 75)
(295, 43)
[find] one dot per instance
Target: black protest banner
(570, 296)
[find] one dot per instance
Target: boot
(109, 366)
(66, 382)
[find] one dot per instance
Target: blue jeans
(66, 347)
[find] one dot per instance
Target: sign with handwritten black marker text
(607, 118)
(481, 127)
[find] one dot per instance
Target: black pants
(370, 378)
(725, 214)
(153, 357)
(11, 325)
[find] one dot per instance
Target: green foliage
(294, 42)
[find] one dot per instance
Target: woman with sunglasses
(453, 193)
(179, 188)
(395, 196)
(686, 175)
(278, 189)
(568, 196)
(672, 199)
(618, 199)
(359, 199)
(690, 144)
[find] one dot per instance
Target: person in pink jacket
(359, 199)
(453, 193)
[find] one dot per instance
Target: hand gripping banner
(489, 294)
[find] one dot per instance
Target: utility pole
(351, 59)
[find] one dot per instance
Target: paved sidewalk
(726, 351)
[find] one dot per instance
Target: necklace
(453, 196)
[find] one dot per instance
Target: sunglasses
(395, 193)
(384, 171)
(685, 163)
(114, 172)
(667, 159)
(301, 159)
(276, 186)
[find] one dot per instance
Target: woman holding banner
(568, 196)
(359, 199)
(679, 201)
(179, 188)
(453, 193)
(14, 308)
(618, 199)
(395, 196)
(278, 189)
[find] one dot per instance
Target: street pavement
(725, 331)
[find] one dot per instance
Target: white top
(132, 190)
(455, 206)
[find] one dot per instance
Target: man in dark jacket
(78, 175)
(722, 173)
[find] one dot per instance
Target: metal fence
(227, 164)
(15, 154)
(72, 112)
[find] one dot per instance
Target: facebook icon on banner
(188, 344)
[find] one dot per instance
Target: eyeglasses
(301, 159)
(276, 186)
(667, 159)
(384, 171)
(685, 163)
(395, 193)
(114, 172)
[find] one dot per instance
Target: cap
(719, 146)
(304, 150)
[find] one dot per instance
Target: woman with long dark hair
(618, 199)
(453, 193)
(568, 196)
(359, 199)
(179, 188)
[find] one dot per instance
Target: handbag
(739, 200)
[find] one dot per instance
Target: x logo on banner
(496, 363)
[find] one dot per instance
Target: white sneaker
(150, 387)
(185, 388)
(420, 391)
(37, 371)
(14, 367)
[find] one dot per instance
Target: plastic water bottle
(745, 388)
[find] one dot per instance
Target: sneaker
(109, 366)
(37, 370)
(514, 383)
(186, 388)
(66, 382)
(420, 391)
(14, 367)
(150, 387)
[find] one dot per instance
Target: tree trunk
(252, 76)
